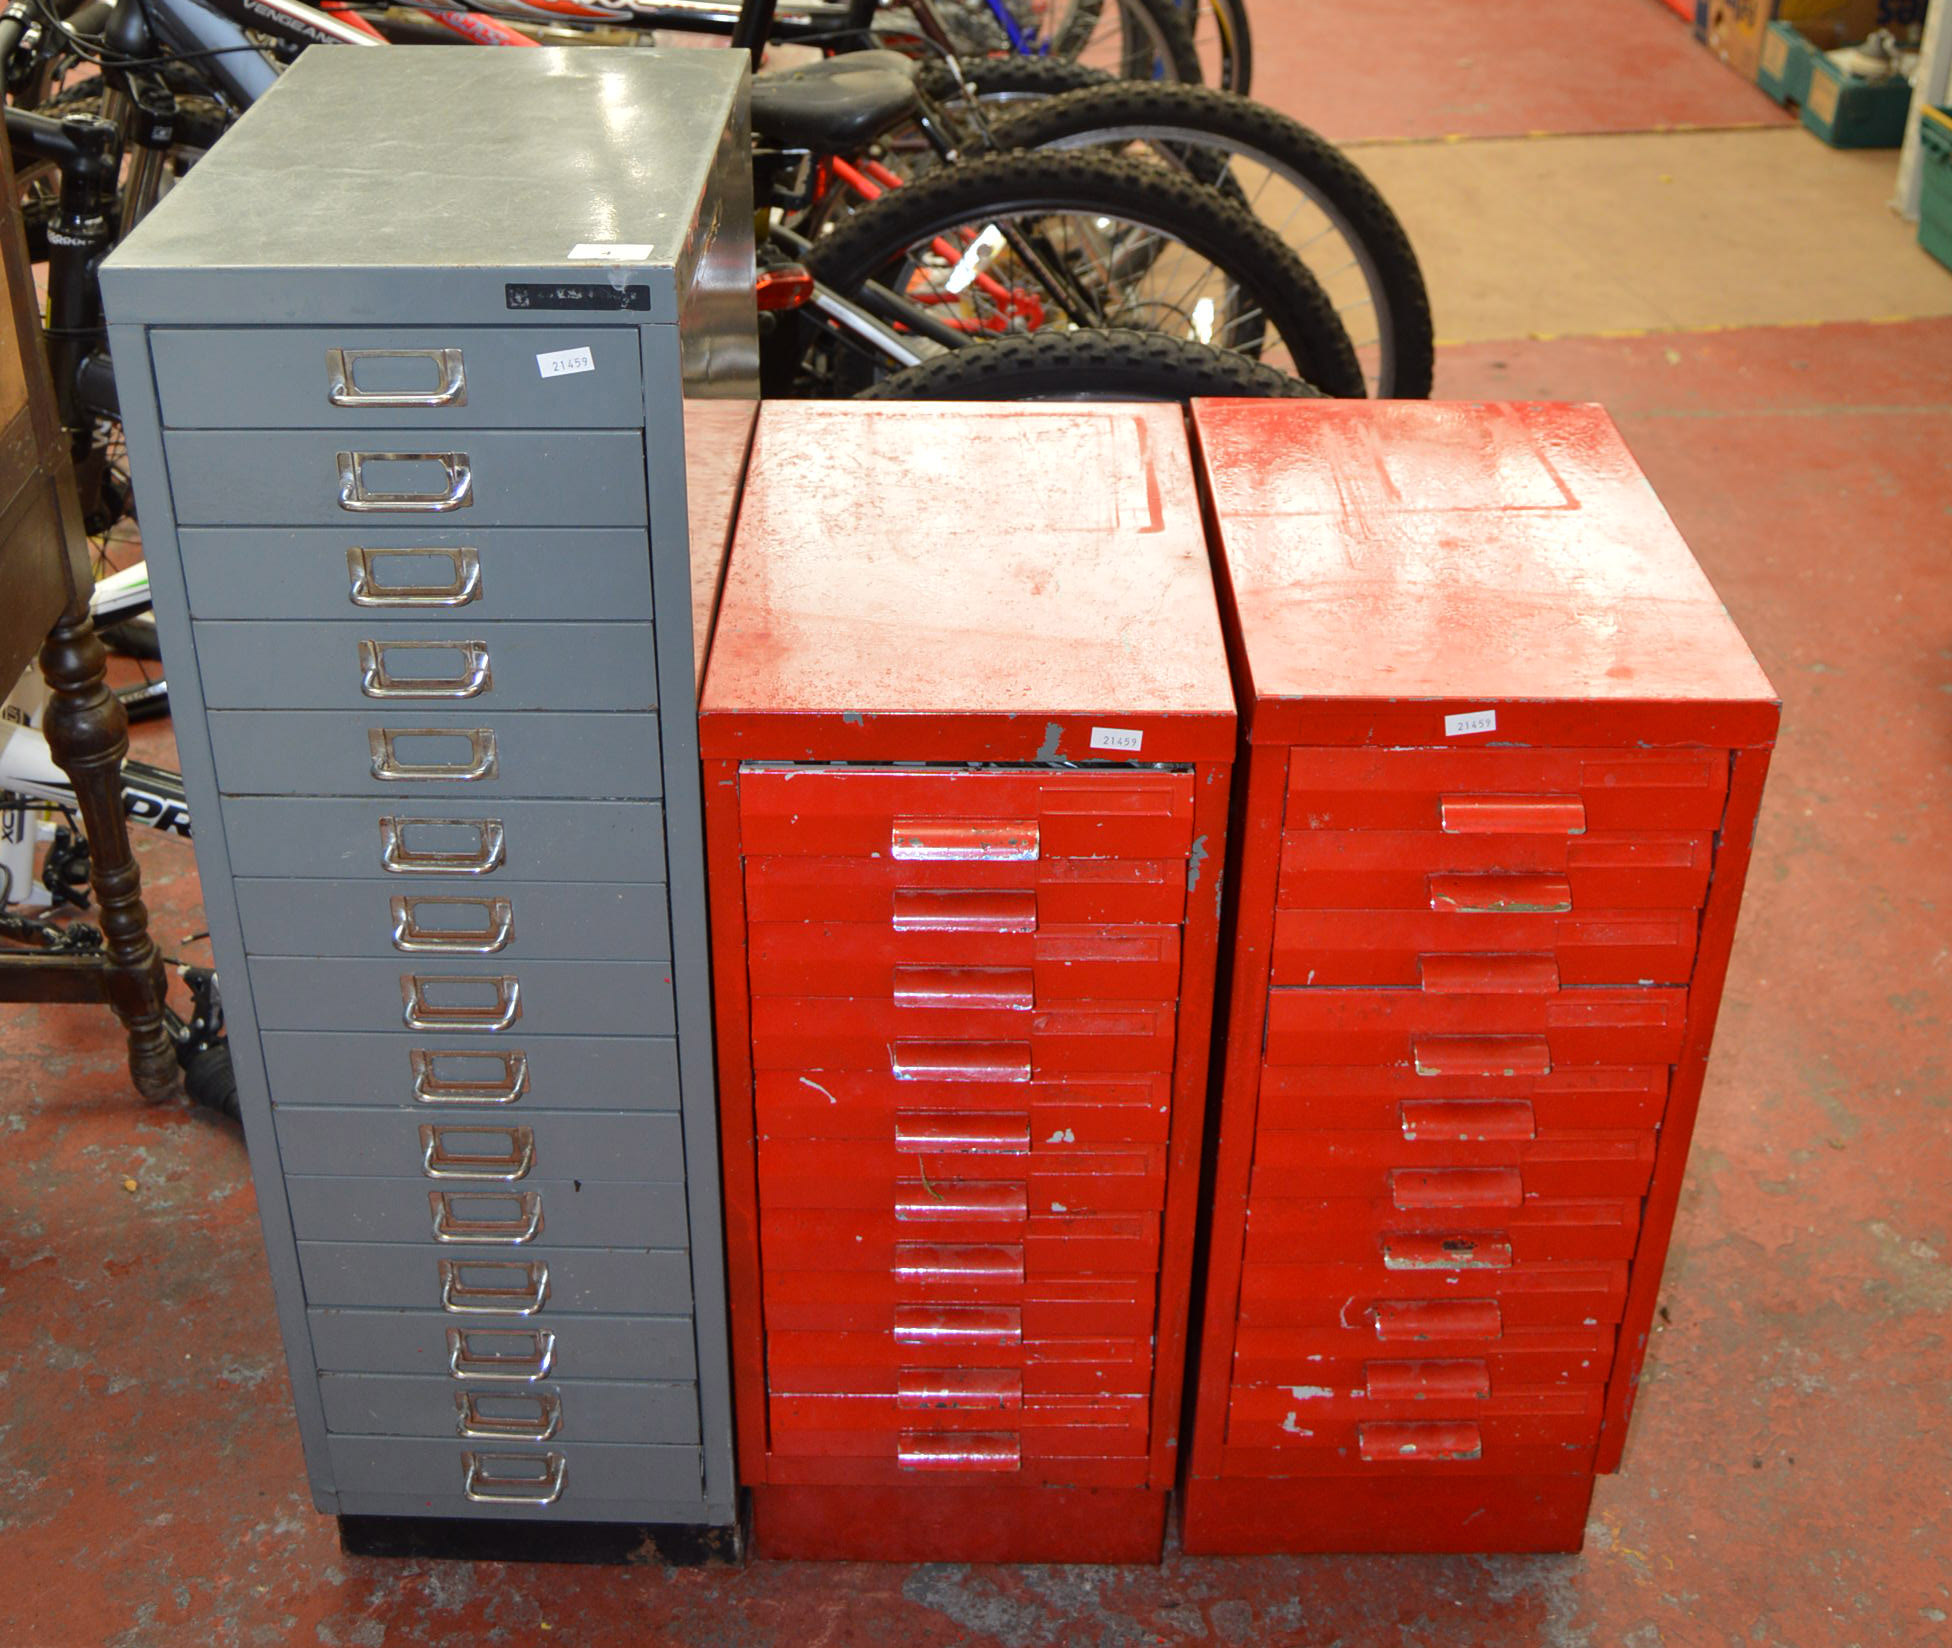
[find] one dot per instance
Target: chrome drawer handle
(473, 1422)
(497, 928)
(431, 1087)
(485, 1489)
(462, 1298)
(382, 744)
(523, 1225)
(499, 1014)
(377, 681)
(341, 365)
(458, 493)
(443, 1153)
(523, 1367)
(368, 591)
(398, 858)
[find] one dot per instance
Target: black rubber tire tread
(1120, 103)
(1238, 69)
(1012, 77)
(210, 1081)
(1112, 364)
(865, 245)
(1164, 15)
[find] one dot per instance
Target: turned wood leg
(88, 735)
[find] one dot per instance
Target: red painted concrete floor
(1785, 1483)
(1408, 69)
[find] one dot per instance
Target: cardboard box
(1736, 27)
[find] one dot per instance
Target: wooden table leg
(88, 736)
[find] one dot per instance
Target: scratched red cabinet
(1504, 757)
(968, 733)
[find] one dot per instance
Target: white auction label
(559, 363)
(609, 251)
(1456, 726)
(1117, 738)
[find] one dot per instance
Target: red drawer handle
(934, 910)
(935, 1201)
(1500, 894)
(920, 1132)
(1491, 1252)
(1482, 1056)
(974, 1061)
(1457, 1187)
(1420, 1381)
(951, 840)
(1513, 815)
(1489, 975)
(947, 1262)
(1466, 1119)
(958, 1451)
(961, 1389)
(958, 1325)
(1422, 1440)
(1409, 1321)
(1007, 989)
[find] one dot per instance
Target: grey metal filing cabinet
(438, 375)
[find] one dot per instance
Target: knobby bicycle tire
(1123, 110)
(1114, 364)
(872, 241)
(1162, 17)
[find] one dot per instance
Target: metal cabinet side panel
(142, 424)
(671, 577)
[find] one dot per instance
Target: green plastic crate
(1784, 70)
(1848, 113)
(1935, 205)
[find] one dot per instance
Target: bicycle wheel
(1224, 40)
(1297, 182)
(1143, 39)
(1086, 366)
(1020, 242)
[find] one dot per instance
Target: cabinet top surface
(469, 157)
(1397, 552)
(944, 581)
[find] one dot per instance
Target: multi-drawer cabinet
(433, 469)
(1506, 751)
(966, 804)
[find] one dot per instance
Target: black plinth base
(453, 1539)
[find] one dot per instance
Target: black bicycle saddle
(836, 105)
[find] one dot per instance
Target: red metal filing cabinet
(968, 733)
(1505, 753)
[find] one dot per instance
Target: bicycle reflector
(787, 288)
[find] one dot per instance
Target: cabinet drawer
(961, 815)
(459, 995)
(1505, 792)
(1283, 1355)
(577, 1482)
(570, 1281)
(1395, 1308)
(1060, 1117)
(1281, 1230)
(1458, 1034)
(401, 751)
(1399, 870)
(462, 1219)
(427, 918)
(457, 840)
(393, 476)
(1042, 1245)
(1332, 948)
(482, 1151)
(1332, 1099)
(1051, 1426)
(395, 672)
(455, 1076)
(1522, 1435)
(584, 1411)
(1058, 1459)
(1084, 1307)
(439, 576)
(916, 896)
(955, 1044)
(508, 1352)
(462, 377)
(926, 1188)
(1430, 1177)
(941, 963)
(821, 1363)
(1543, 1363)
